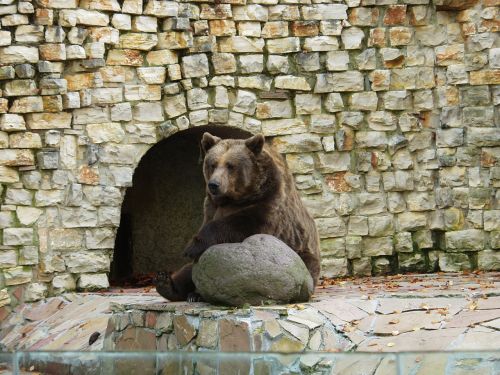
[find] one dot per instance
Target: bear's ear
(208, 141)
(255, 143)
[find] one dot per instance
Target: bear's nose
(213, 187)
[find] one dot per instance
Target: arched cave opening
(163, 208)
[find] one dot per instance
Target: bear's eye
(212, 165)
(229, 166)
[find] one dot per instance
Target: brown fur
(256, 194)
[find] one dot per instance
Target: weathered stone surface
(93, 281)
(346, 81)
(297, 143)
(19, 55)
(465, 240)
(17, 275)
(454, 262)
(216, 281)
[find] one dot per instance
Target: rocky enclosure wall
(385, 111)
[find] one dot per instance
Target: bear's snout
(213, 187)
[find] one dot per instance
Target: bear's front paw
(165, 286)
(194, 249)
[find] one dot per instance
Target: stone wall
(385, 111)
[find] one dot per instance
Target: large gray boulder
(261, 269)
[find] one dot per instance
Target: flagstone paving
(378, 314)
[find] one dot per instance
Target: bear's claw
(194, 297)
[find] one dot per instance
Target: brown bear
(249, 190)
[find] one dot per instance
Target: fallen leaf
(443, 311)
(394, 321)
(93, 337)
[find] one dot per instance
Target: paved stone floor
(377, 314)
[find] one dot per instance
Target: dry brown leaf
(443, 311)
(394, 321)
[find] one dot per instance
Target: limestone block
(19, 55)
(195, 66)
(16, 157)
(25, 140)
(297, 143)
(339, 82)
(148, 112)
(12, 122)
(93, 281)
(8, 258)
(465, 240)
(63, 283)
(241, 44)
(251, 63)
(161, 8)
(17, 275)
(138, 41)
(18, 236)
(352, 38)
(324, 12)
(258, 81)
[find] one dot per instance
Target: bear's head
(236, 171)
